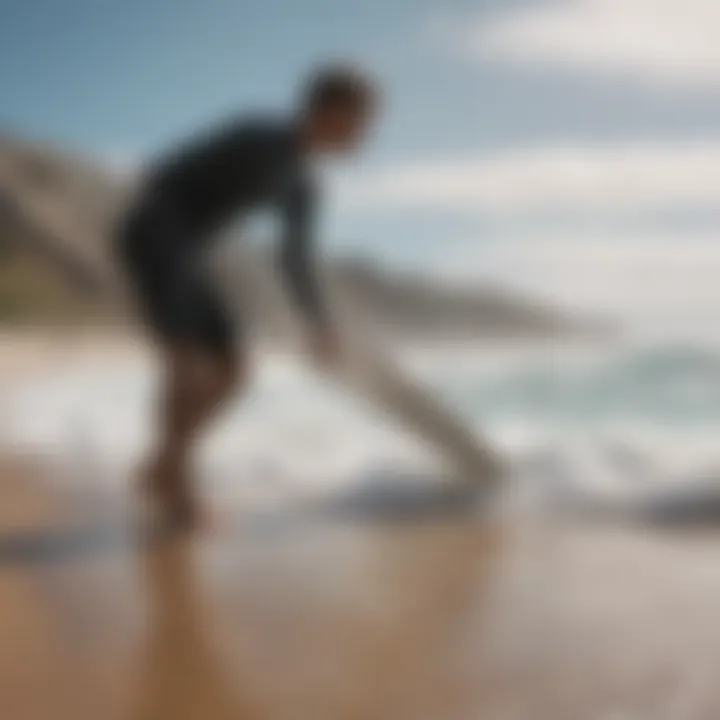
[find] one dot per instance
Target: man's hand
(324, 347)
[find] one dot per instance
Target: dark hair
(338, 86)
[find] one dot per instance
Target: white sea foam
(294, 433)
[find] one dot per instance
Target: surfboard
(249, 279)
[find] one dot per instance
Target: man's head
(337, 105)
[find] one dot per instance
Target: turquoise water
(667, 386)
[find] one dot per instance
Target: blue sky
(129, 75)
(537, 124)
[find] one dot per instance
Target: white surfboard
(249, 280)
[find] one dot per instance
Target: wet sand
(296, 620)
(426, 621)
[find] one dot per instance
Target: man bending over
(164, 242)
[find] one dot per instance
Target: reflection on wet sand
(282, 637)
(328, 620)
(321, 620)
(352, 624)
(179, 675)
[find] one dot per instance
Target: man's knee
(205, 372)
(229, 374)
(227, 377)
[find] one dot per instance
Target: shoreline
(24, 350)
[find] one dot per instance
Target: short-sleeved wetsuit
(186, 199)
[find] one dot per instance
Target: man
(186, 200)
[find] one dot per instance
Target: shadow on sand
(377, 500)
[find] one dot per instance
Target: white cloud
(556, 178)
(655, 41)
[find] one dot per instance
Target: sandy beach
(295, 619)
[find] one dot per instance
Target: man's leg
(200, 359)
(196, 384)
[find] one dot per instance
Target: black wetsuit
(187, 198)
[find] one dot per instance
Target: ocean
(601, 415)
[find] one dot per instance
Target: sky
(570, 148)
